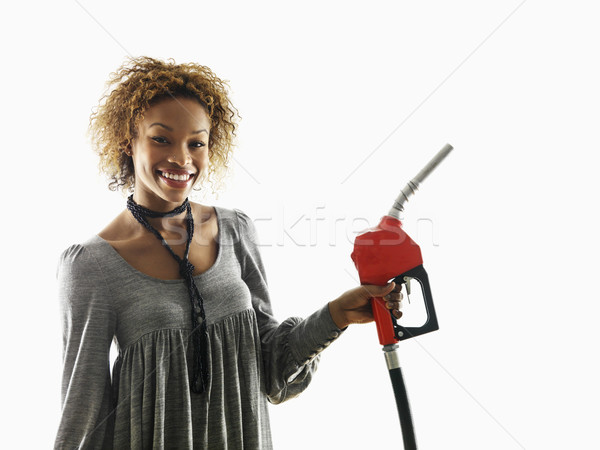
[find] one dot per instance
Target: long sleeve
(291, 349)
(89, 324)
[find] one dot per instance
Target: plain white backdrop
(341, 104)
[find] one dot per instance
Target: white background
(342, 103)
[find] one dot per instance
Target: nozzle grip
(431, 324)
(388, 329)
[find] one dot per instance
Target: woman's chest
(144, 305)
(154, 257)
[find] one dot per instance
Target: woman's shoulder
(245, 228)
(241, 222)
(235, 220)
(246, 223)
(87, 255)
(225, 211)
(80, 258)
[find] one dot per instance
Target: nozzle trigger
(407, 284)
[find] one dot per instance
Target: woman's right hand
(354, 306)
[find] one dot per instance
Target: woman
(179, 286)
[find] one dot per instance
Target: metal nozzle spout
(412, 186)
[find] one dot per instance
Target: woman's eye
(162, 140)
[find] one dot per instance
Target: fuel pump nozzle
(386, 252)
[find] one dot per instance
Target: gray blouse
(147, 402)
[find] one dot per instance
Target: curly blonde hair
(142, 82)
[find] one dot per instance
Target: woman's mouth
(175, 180)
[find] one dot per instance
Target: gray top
(148, 403)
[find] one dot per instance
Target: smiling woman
(144, 82)
(172, 155)
(179, 287)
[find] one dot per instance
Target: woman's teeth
(175, 177)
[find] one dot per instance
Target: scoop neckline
(177, 280)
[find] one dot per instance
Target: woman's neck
(153, 202)
(166, 226)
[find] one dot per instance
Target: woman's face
(172, 139)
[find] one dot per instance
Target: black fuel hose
(408, 432)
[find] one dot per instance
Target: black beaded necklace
(199, 335)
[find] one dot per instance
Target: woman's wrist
(338, 314)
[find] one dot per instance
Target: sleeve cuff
(311, 336)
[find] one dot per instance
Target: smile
(175, 180)
(173, 176)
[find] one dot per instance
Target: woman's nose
(181, 155)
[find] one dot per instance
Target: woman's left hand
(354, 306)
